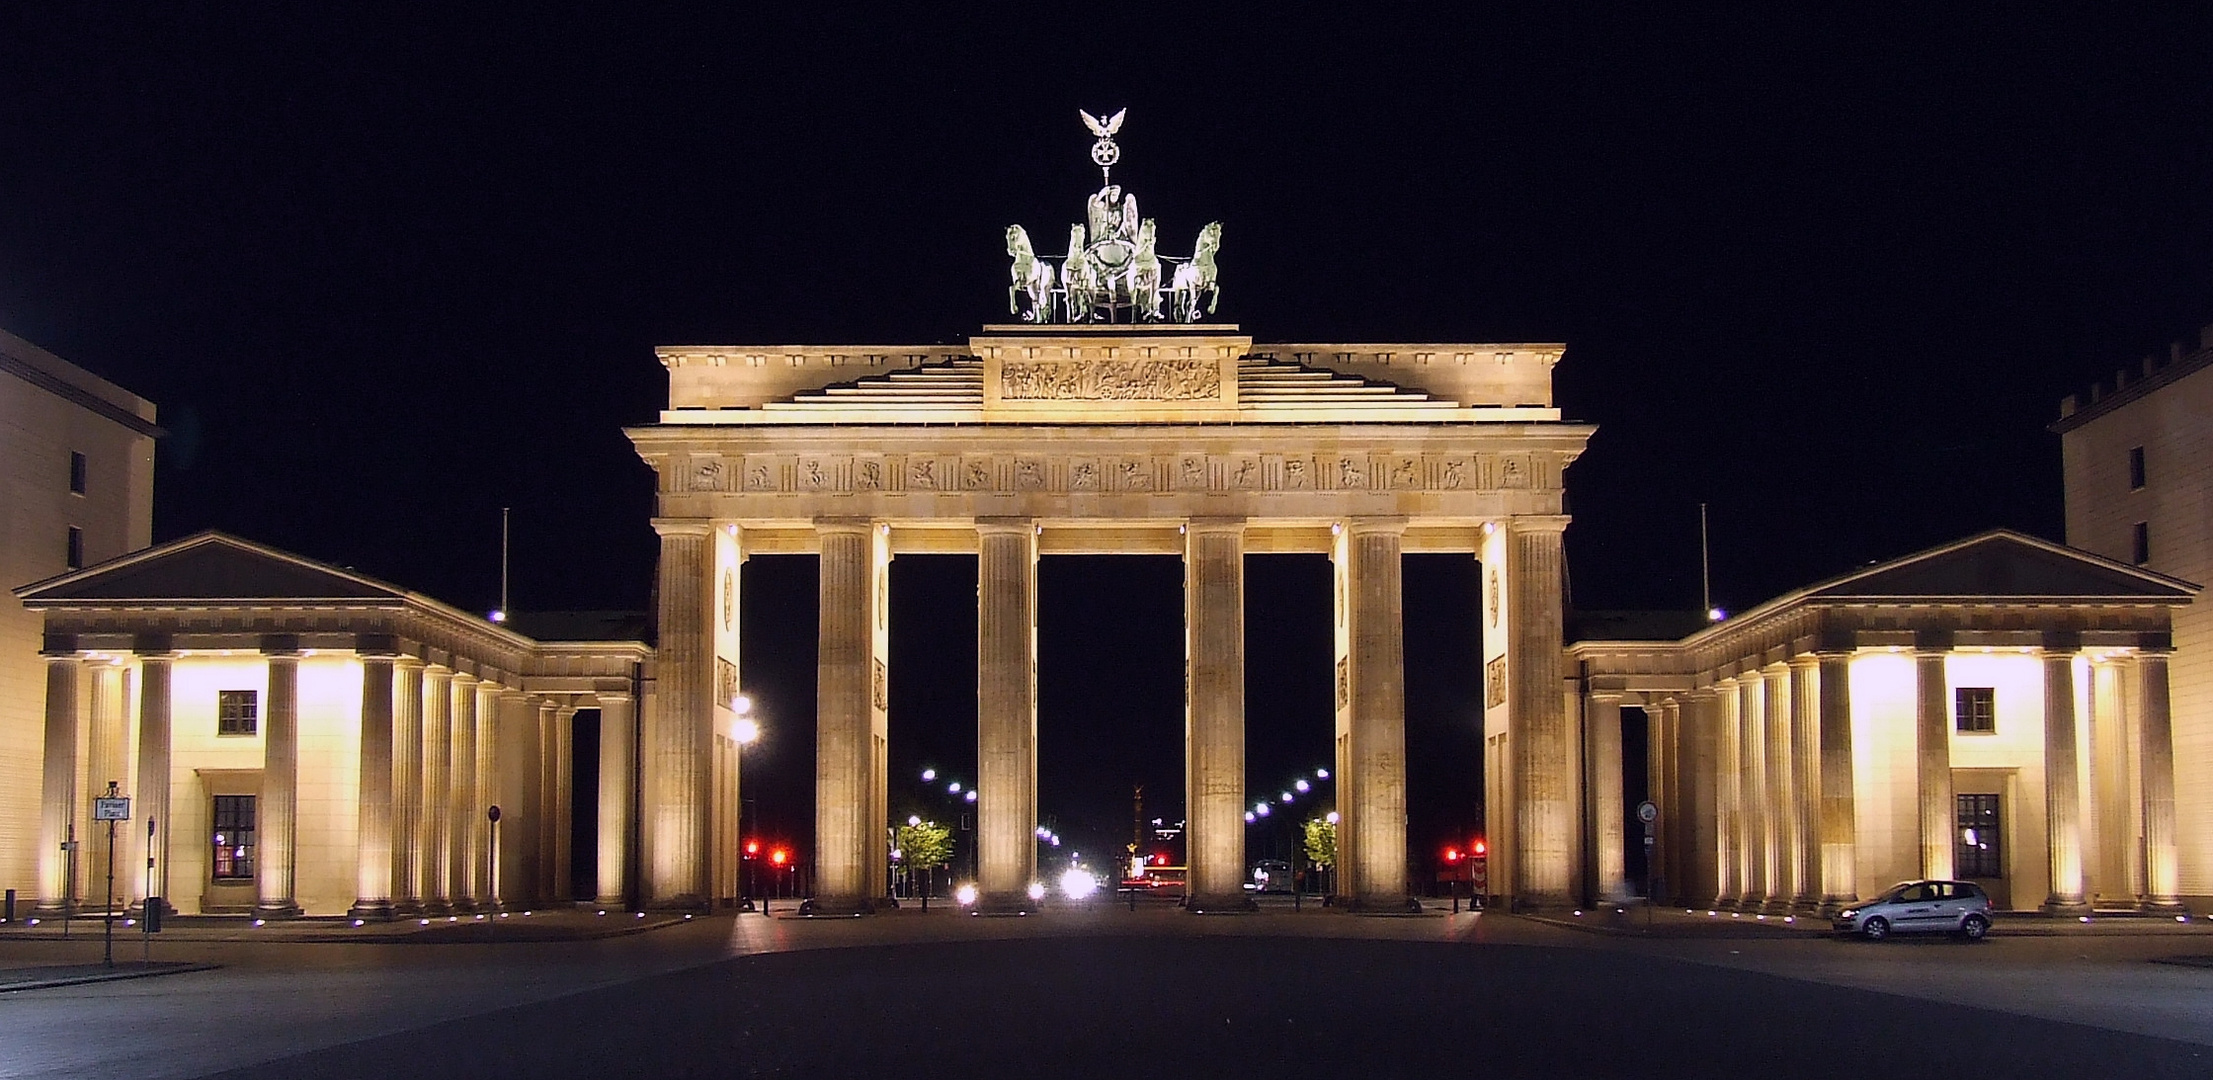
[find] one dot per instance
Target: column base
(277, 909)
(1018, 903)
(2165, 905)
(1225, 904)
(680, 904)
(368, 910)
(2067, 909)
(836, 907)
(437, 909)
(1384, 905)
(407, 909)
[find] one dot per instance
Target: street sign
(1647, 813)
(115, 809)
(492, 813)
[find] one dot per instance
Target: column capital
(1003, 525)
(1614, 696)
(1375, 523)
(604, 698)
(1214, 524)
(1537, 523)
(1805, 661)
(683, 527)
(404, 662)
(466, 678)
(843, 525)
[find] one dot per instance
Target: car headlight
(1848, 914)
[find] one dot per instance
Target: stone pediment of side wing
(2006, 564)
(209, 567)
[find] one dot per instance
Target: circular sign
(1647, 813)
(493, 814)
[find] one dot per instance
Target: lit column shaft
(1933, 755)
(1839, 808)
(2062, 777)
(106, 758)
(844, 721)
(463, 806)
(484, 792)
(373, 861)
(617, 734)
(1214, 714)
(276, 811)
(2157, 749)
(407, 786)
(434, 810)
(1538, 735)
(1753, 792)
(1373, 809)
(679, 732)
(1782, 813)
(1728, 792)
(152, 786)
(1805, 781)
(1701, 818)
(1006, 710)
(518, 764)
(1602, 741)
(58, 793)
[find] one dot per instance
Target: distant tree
(1321, 842)
(925, 847)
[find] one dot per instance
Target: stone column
(107, 755)
(1782, 798)
(1537, 721)
(1704, 870)
(57, 887)
(463, 806)
(879, 713)
(1006, 711)
(844, 725)
(373, 859)
(1214, 713)
(617, 736)
(1728, 767)
(1602, 724)
(276, 825)
(1664, 729)
(556, 730)
(1839, 811)
(434, 811)
(1933, 752)
(679, 736)
(519, 762)
(484, 792)
(408, 857)
(2062, 777)
(151, 807)
(1371, 792)
(2155, 730)
(1753, 793)
(1805, 781)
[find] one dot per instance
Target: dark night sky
(385, 273)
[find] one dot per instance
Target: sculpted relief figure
(1033, 277)
(1198, 276)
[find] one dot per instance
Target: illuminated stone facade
(77, 454)
(306, 740)
(1038, 440)
(2138, 460)
(1996, 709)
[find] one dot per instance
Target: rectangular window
(2140, 542)
(1975, 710)
(237, 712)
(76, 552)
(76, 473)
(1979, 853)
(234, 838)
(2136, 468)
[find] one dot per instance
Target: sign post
(492, 813)
(1650, 816)
(110, 808)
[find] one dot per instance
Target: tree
(923, 846)
(1321, 842)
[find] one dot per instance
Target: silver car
(1920, 907)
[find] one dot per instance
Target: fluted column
(407, 786)
(107, 755)
(679, 735)
(276, 829)
(483, 793)
(555, 779)
(2155, 730)
(1782, 812)
(1371, 783)
(434, 812)
(57, 887)
(2062, 777)
(1838, 873)
(151, 807)
(518, 764)
(463, 806)
(1728, 792)
(1759, 858)
(1702, 823)
(844, 727)
(1805, 781)
(1537, 721)
(1933, 753)
(1608, 825)
(617, 735)
(373, 859)
(1006, 710)
(1214, 712)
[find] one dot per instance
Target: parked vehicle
(1920, 907)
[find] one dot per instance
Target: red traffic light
(752, 847)
(1452, 854)
(779, 856)
(1480, 848)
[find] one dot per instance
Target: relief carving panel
(1111, 380)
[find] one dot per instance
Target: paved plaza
(1103, 991)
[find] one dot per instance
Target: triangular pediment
(2001, 564)
(208, 567)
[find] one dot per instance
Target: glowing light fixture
(1321, 774)
(966, 894)
(953, 788)
(971, 796)
(1251, 817)
(745, 730)
(1077, 883)
(1332, 819)
(1303, 786)
(497, 616)
(1286, 796)
(914, 819)
(1715, 614)
(929, 775)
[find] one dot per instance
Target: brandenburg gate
(1097, 426)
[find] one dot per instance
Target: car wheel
(1875, 928)
(1974, 927)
